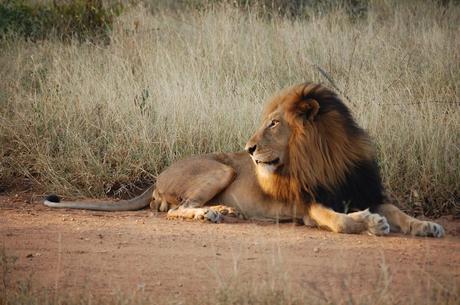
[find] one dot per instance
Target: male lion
(308, 161)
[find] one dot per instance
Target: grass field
(84, 119)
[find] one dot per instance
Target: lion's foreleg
(336, 222)
(353, 223)
(401, 222)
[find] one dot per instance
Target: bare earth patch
(108, 253)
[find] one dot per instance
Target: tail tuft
(53, 198)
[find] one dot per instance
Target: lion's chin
(265, 169)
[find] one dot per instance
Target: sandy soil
(105, 253)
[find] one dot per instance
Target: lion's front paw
(427, 228)
(377, 225)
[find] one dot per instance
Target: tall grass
(86, 119)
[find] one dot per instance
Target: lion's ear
(309, 109)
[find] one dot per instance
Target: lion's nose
(250, 149)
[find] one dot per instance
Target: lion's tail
(133, 204)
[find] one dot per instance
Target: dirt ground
(105, 253)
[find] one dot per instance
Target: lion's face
(268, 147)
(308, 139)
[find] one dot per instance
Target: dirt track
(104, 253)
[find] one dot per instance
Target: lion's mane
(331, 160)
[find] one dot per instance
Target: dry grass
(83, 119)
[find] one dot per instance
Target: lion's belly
(236, 195)
(255, 208)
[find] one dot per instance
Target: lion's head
(308, 141)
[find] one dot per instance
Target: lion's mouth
(272, 162)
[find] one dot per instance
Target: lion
(309, 162)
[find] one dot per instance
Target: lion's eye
(273, 123)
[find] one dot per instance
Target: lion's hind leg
(228, 214)
(401, 222)
(188, 213)
(216, 214)
(226, 211)
(189, 185)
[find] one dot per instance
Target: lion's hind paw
(226, 211)
(213, 216)
(202, 214)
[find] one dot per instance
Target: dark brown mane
(325, 145)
